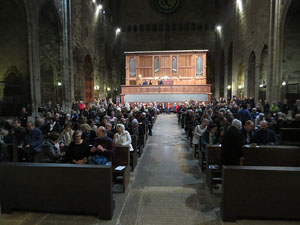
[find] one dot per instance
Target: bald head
(263, 125)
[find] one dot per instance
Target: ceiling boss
(167, 6)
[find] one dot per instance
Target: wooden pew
(57, 188)
(13, 153)
(290, 136)
(214, 168)
(269, 155)
(121, 158)
(263, 155)
(133, 154)
(260, 192)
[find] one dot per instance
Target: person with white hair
(122, 137)
(237, 123)
(232, 145)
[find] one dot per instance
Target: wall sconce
(59, 83)
(96, 88)
(140, 75)
(118, 30)
(240, 87)
(219, 28)
(108, 89)
(229, 87)
(283, 82)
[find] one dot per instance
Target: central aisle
(168, 187)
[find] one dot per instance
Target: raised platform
(165, 93)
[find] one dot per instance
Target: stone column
(34, 59)
(273, 79)
(257, 74)
(226, 79)
(67, 56)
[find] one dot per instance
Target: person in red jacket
(81, 106)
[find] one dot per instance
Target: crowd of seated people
(209, 123)
(86, 135)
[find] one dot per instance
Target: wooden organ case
(175, 76)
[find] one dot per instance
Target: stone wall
(14, 71)
(190, 26)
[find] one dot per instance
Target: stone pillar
(257, 74)
(226, 80)
(273, 79)
(67, 56)
(34, 59)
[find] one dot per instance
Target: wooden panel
(145, 61)
(146, 72)
(185, 72)
(165, 62)
(185, 60)
(132, 82)
(166, 89)
(186, 67)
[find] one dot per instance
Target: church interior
(166, 71)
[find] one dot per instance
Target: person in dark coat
(244, 114)
(50, 152)
(232, 145)
(265, 136)
(31, 144)
(79, 150)
(102, 150)
(247, 132)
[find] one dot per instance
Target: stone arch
(263, 73)
(251, 75)
(14, 70)
(50, 42)
(229, 77)
(290, 68)
(88, 79)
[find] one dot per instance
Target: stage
(175, 76)
(165, 93)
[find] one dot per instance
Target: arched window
(174, 64)
(132, 67)
(199, 66)
(156, 64)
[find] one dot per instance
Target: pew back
(260, 193)
(57, 188)
(265, 155)
(290, 136)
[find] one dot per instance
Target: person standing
(232, 145)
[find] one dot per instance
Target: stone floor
(167, 187)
